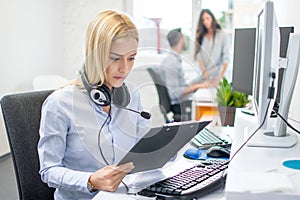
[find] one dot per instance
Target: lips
(119, 77)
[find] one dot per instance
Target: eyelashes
(118, 58)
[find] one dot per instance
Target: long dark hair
(202, 30)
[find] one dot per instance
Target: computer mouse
(218, 152)
(192, 153)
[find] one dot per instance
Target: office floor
(8, 183)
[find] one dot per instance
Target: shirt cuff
(75, 180)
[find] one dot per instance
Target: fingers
(126, 167)
(212, 83)
(206, 75)
(109, 177)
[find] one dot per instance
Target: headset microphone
(102, 95)
(144, 114)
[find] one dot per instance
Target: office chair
(164, 99)
(21, 113)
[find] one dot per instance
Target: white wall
(30, 42)
(287, 12)
(42, 37)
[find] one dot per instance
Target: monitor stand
(280, 136)
(265, 138)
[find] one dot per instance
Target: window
(163, 14)
(170, 14)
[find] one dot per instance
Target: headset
(103, 96)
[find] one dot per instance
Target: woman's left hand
(109, 177)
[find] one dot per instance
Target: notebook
(160, 144)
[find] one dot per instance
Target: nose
(125, 66)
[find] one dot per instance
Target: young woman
(84, 128)
(212, 47)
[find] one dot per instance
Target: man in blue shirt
(173, 75)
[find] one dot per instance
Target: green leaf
(227, 97)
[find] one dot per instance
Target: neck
(210, 30)
(106, 108)
(177, 49)
(108, 86)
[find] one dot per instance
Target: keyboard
(191, 183)
(206, 138)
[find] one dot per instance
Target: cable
(99, 146)
(238, 150)
(287, 123)
(265, 117)
(126, 187)
(270, 97)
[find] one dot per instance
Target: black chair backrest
(164, 99)
(22, 113)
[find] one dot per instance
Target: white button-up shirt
(71, 140)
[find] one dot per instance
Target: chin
(118, 84)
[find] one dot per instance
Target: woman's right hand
(206, 75)
(109, 177)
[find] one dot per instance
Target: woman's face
(121, 60)
(207, 20)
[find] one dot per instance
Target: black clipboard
(160, 144)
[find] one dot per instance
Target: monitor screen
(243, 60)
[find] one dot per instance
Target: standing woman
(85, 130)
(212, 47)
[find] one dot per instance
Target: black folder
(160, 144)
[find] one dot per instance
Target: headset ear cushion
(101, 95)
(121, 96)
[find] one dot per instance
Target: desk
(170, 169)
(263, 163)
(249, 161)
(204, 104)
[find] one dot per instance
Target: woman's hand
(109, 177)
(213, 83)
(218, 78)
(206, 75)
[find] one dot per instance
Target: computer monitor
(290, 73)
(266, 60)
(284, 40)
(266, 63)
(243, 59)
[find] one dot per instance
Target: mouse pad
(160, 144)
(204, 156)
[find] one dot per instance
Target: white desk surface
(170, 169)
(257, 172)
(254, 173)
(205, 96)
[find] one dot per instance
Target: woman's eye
(114, 58)
(131, 58)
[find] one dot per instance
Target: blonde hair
(105, 28)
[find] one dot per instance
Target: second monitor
(243, 58)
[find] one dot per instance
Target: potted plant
(228, 100)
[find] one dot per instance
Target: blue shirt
(69, 149)
(174, 78)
